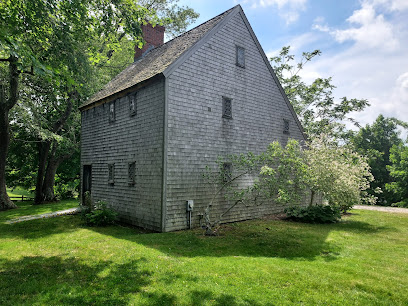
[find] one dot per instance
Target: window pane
(226, 108)
(240, 57)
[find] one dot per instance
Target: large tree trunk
(44, 189)
(49, 179)
(43, 150)
(5, 106)
(5, 202)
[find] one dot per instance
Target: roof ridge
(156, 60)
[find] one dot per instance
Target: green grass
(361, 260)
(18, 192)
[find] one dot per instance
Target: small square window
(111, 174)
(132, 104)
(226, 108)
(226, 172)
(286, 126)
(132, 173)
(240, 57)
(112, 112)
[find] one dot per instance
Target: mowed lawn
(362, 260)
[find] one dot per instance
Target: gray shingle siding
(179, 127)
(196, 135)
(128, 139)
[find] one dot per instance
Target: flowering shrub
(287, 174)
(339, 174)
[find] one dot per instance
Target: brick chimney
(154, 37)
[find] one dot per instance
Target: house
(148, 135)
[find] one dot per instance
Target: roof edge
(183, 57)
(268, 64)
(121, 93)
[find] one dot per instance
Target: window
(286, 126)
(112, 112)
(132, 104)
(111, 174)
(132, 173)
(240, 57)
(226, 172)
(226, 108)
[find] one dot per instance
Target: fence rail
(21, 198)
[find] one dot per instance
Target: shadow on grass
(56, 280)
(255, 238)
(40, 228)
(27, 208)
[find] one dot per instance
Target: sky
(364, 44)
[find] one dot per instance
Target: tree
(314, 104)
(375, 141)
(399, 174)
(56, 39)
(341, 175)
(286, 175)
(175, 18)
(100, 40)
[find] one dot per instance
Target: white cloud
(371, 30)
(390, 5)
(374, 66)
(279, 3)
(367, 29)
(288, 9)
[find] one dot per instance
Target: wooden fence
(21, 198)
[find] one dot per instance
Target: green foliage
(375, 141)
(337, 173)
(175, 18)
(286, 175)
(65, 52)
(314, 213)
(66, 190)
(402, 204)
(100, 215)
(341, 175)
(399, 174)
(314, 103)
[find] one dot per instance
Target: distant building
(149, 133)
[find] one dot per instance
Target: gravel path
(382, 208)
(70, 211)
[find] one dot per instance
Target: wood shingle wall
(197, 133)
(128, 139)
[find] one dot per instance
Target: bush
(403, 204)
(101, 215)
(314, 214)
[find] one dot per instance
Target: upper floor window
(112, 111)
(286, 126)
(132, 173)
(240, 57)
(132, 104)
(111, 174)
(226, 108)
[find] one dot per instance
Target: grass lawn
(18, 192)
(362, 260)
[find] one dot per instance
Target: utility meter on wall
(190, 205)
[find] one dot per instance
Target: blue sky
(364, 44)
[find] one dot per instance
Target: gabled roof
(157, 60)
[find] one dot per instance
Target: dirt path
(382, 208)
(69, 211)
